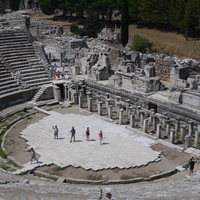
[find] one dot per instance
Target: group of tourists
(73, 132)
(55, 73)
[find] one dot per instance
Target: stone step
(8, 82)
(15, 45)
(35, 77)
(13, 51)
(18, 54)
(9, 90)
(39, 83)
(4, 75)
(16, 59)
(31, 73)
(19, 63)
(13, 34)
(20, 68)
(6, 87)
(13, 41)
(11, 38)
(4, 71)
(19, 58)
(4, 79)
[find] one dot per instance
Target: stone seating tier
(17, 53)
(17, 58)
(15, 46)
(32, 79)
(39, 82)
(10, 90)
(30, 72)
(11, 41)
(3, 80)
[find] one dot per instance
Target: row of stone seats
(17, 52)
(7, 83)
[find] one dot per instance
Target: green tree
(14, 4)
(48, 6)
(124, 23)
(93, 25)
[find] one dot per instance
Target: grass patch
(11, 162)
(126, 177)
(56, 170)
(93, 177)
(29, 118)
(116, 170)
(4, 166)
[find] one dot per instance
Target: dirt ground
(16, 148)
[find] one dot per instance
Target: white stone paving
(121, 147)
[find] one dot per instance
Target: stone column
(66, 91)
(89, 94)
(145, 126)
(110, 111)
(187, 141)
(172, 136)
(80, 100)
(154, 123)
(141, 118)
(107, 103)
(117, 100)
(138, 112)
(196, 139)
(129, 112)
(69, 95)
(151, 117)
(167, 128)
(118, 107)
(121, 116)
(182, 133)
(90, 104)
(190, 127)
(127, 107)
(158, 132)
(132, 120)
(99, 107)
(75, 98)
(164, 120)
(177, 125)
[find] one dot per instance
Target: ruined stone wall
(17, 98)
(138, 99)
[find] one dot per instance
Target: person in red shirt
(100, 136)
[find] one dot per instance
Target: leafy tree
(124, 22)
(48, 6)
(93, 25)
(14, 4)
(140, 43)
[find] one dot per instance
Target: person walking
(73, 131)
(33, 156)
(87, 134)
(109, 196)
(100, 136)
(191, 165)
(55, 128)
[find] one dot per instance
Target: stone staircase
(40, 92)
(19, 56)
(8, 83)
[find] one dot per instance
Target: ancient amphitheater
(146, 104)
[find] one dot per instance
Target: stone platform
(121, 147)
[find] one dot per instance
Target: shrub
(140, 43)
(73, 28)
